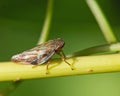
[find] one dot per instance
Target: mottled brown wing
(45, 56)
(39, 54)
(44, 52)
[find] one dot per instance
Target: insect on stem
(42, 53)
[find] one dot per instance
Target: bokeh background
(21, 22)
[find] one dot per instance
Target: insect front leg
(63, 57)
(47, 67)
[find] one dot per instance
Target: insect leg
(47, 67)
(63, 57)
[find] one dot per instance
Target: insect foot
(71, 66)
(47, 72)
(47, 67)
(63, 57)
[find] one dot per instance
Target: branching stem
(47, 23)
(102, 21)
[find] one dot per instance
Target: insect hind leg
(63, 57)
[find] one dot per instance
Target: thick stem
(82, 65)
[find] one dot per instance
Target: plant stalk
(45, 31)
(82, 65)
(102, 21)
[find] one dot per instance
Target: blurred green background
(21, 22)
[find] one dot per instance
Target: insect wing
(44, 56)
(39, 54)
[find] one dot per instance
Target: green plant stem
(47, 23)
(110, 48)
(82, 65)
(102, 21)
